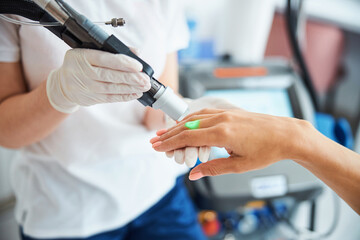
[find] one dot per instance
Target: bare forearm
(27, 118)
(334, 164)
(155, 119)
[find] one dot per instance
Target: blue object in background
(338, 130)
(198, 49)
(249, 223)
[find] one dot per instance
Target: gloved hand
(189, 155)
(89, 77)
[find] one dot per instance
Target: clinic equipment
(79, 32)
(193, 124)
(293, 11)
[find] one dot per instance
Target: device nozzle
(171, 104)
(116, 22)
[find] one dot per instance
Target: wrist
(154, 119)
(304, 142)
(57, 97)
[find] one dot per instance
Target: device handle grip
(114, 45)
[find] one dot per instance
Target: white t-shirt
(97, 170)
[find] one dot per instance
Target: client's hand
(253, 140)
(189, 155)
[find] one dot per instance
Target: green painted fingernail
(193, 124)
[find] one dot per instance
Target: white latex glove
(89, 77)
(189, 155)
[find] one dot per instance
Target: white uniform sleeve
(177, 29)
(9, 42)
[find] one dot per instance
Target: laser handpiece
(79, 32)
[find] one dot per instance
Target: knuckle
(201, 111)
(227, 117)
(223, 132)
(222, 117)
(205, 110)
(212, 171)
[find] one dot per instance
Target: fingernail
(195, 175)
(155, 145)
(155, 139)
(161, 132)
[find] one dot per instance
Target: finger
(179, 156)
(192, 138)
(170, 154)
(161, 132)
(215, 167)
(154, 139)
(203, 124)
(116, 76)
(181, 125)
(196, 117)
(204, 153)
(115, 88)
(191, 155)
(203, 112)
(119, 62)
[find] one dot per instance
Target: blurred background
(242, 50)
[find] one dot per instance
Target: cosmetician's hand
(253, 140)
(89, 77)
(190, 154)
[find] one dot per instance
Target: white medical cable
(18, 22)
(39, 24)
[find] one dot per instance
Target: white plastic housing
(172, 105)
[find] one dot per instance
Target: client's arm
(255, 141)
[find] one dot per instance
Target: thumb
(215, 167)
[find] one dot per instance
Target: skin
(255, 141)
(155, 119)
(28, 117)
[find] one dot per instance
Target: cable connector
(116, 22)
